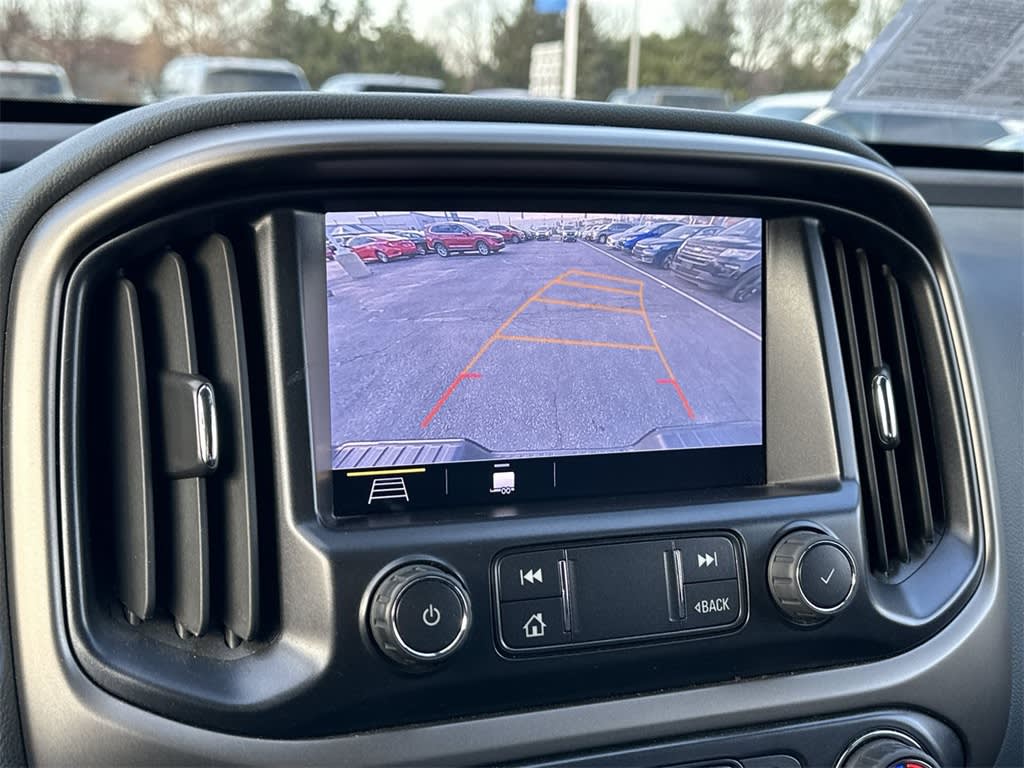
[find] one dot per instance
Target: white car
(34, 80)
(200, 75)
(787, 106)
(373, 83)
(949, 130)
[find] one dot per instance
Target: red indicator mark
(447, 393)
(679, 391)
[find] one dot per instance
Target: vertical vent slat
(872, 499)
(164, 410)
(232, 489)
(168, 310)
(912, 444)
(131, 486)
(891, 410)
(872, 363)
(866, 305)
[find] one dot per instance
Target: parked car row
(599, 232)
(710, 256)
(444, 238)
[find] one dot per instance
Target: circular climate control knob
(886, 750)
(811, 576)
(419, 614)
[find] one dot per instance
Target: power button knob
(419, 614)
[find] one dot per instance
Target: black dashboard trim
(570, 727)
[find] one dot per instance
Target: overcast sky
(664, 16)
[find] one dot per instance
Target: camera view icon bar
(387, 484)
(384, 488)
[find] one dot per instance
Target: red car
(451, 236)
(381, 247)
(508, 234)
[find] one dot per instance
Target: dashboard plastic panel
(912, 678)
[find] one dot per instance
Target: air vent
(173, 437)
(892, 415)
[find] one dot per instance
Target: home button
(533, 624)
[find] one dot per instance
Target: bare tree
(151, 55)
(17, 30)
(202, 26)
(761, 28)
(878, 13)
(464, 39)
(69, 27)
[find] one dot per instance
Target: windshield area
(883, 71)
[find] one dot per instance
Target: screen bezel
(692, 469)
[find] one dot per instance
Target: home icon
(535, 626)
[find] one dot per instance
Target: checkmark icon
(826, 580)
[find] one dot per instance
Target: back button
(712, 603)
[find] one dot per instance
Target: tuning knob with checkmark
(811, 576)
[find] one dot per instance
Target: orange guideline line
(616, 278)
(664, 361)
(444, 397)
(591, 286)
(583, 305)
(578, 342)
(465, 373)
(508, 321)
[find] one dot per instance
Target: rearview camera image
(490, 336)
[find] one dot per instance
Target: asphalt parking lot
(543, 346)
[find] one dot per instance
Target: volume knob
(811, 576)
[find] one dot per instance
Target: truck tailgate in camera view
(498, 343)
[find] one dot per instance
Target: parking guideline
(571, 278)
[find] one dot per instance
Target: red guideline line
(447, 393)
(679, 391)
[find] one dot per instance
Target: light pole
(570, 49)
(633, 65)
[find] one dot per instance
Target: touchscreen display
(481, 356)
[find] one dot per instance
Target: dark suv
(660, 251)
(451, 236)
(729, 262)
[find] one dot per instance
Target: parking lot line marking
(579, 342)
(583, 305)
(591, 286)
(508, 321)
(465, 373)
(740, 326)
(664, 360)
(679, 391)
(616, 278)
(445, 395)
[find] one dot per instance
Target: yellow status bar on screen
(374, 472)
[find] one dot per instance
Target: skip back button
(712, 603)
